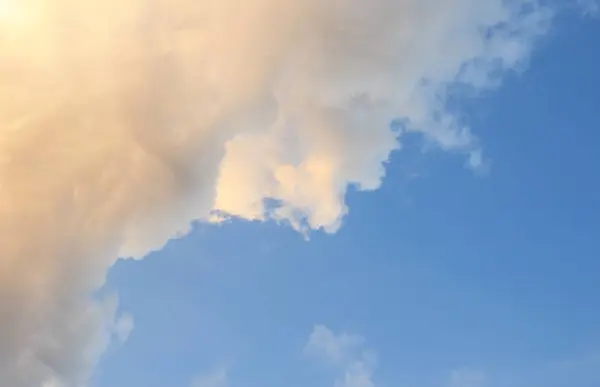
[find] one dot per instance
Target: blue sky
(452, 279)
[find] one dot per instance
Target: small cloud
(123, 327)
(347, 352)
(218, 378)
(334, 348)
(357, 374)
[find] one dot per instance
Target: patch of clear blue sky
(439, 271)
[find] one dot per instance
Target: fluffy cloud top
(121, 121)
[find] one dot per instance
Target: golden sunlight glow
(10, 11)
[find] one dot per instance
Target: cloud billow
(121, 122)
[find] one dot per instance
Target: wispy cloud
(577, 370)
(590, 7)
(217, 378)
(353, 362)
(337, 349)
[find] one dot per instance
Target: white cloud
(357, 374)
(353, 361)
(123, 121)
(336, 349)
(218, 378)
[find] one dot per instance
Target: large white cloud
(123, 120)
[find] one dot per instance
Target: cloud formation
(347, 353)
(123, 121)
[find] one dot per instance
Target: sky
(347, 194)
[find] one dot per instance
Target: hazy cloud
(353, 362)
(218, 378)
(467, 378)
(589, 6)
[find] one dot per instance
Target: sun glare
(17, 12)
(7, 10)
